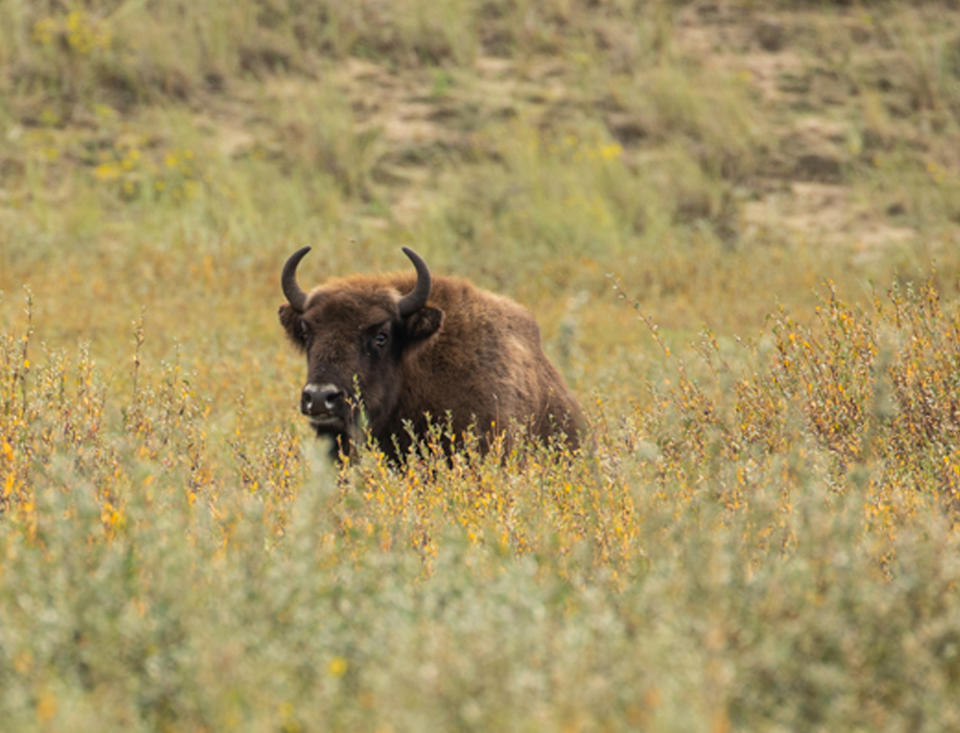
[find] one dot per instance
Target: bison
(406, 348)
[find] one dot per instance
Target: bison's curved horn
(416, 298)
(288, 281)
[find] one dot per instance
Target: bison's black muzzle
(319, 400)
(326, 406)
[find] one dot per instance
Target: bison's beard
(353, 424)
(339, 429)
(339, 440)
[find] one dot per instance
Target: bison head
(355, 333)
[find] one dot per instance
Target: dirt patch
(825, 215)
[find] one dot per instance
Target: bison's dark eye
(304, 330)
(380, 340)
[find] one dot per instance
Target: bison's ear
(290, 320)
(422, 323)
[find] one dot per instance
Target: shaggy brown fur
(468, 354)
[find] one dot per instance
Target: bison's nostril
(319, 398)
(331, 397)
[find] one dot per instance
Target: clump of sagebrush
(61, 426)
(871, 394)
(881, 383)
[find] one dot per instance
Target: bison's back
(486, 366)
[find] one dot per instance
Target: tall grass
(777, 553)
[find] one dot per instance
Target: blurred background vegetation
(739, 226)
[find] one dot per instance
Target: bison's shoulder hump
(468, 308)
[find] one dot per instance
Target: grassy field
(739, 226)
